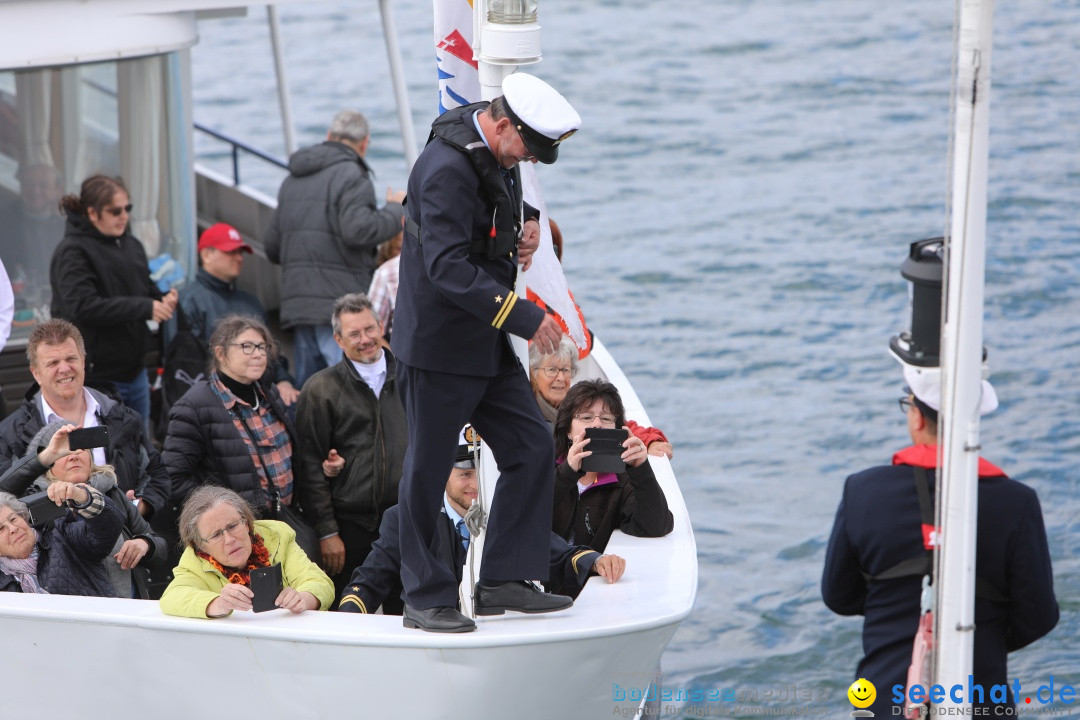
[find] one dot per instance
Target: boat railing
(236, 147)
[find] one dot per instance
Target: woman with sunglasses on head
(224, 543)
(589, 506)
(101, 283)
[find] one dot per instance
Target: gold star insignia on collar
(498, 299)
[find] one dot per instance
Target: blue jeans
(314, 348)
(136, 395)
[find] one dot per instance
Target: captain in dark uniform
(377, 582)
(466, 229)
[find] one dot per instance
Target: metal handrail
(237, 146)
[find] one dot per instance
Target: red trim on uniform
(925, 456)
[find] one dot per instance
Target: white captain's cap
(925, 384)
(540, 114)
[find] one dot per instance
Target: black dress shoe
(517, 595)
(437, 619)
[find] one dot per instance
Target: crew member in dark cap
(377, 582)
(466, 230)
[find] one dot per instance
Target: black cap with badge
(540, 114)
(465, 458)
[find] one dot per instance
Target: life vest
(455, 128)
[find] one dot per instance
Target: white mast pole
(961, 349)
(282, 80)
(397, 76)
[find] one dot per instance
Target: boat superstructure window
(59, 125)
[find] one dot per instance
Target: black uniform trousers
(504, 412)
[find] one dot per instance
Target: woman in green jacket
(224, 544)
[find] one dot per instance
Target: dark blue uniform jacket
(878, 525)
(453, 306)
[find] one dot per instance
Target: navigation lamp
(923, 267)
(512, 12)
(510, 34)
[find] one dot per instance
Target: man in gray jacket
(351, 441)
(324, 234)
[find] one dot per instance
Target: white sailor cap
(540, 114)
(925, 384)
(464, 458)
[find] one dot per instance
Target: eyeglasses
(556, 371)
(605, 420)
(905, 404)
(250, 348)
(118, 211)
(235, 529)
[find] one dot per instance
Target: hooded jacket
(325, 230)
(102, 285)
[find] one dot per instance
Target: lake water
(736, 206)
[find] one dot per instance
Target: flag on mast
(459, 84)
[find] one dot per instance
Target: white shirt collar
(374, 374)
(450, 511)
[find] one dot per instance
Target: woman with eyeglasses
(136, 546)
(223, 544)
(551, 376)
(101, 283)
(232, 428)
(589, 506)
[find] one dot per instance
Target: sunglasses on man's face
(118, 211)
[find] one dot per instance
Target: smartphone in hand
(43, 509)
(607, 449)
(267, 584)
(86, 438)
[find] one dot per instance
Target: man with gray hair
(351, 441)
(324, 234)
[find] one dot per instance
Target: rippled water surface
(736, 207)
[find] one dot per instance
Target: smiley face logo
(862, 693)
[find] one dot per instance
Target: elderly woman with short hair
(224, 543)
(49, 460)
(61, 557)
(232, 428)
(551, 376)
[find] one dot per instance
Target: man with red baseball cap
(214, 294)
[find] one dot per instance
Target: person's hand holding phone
(636, 453)
(58, 446)
(297, 602)
(233, 597)
(577, 451)
(60, 492)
